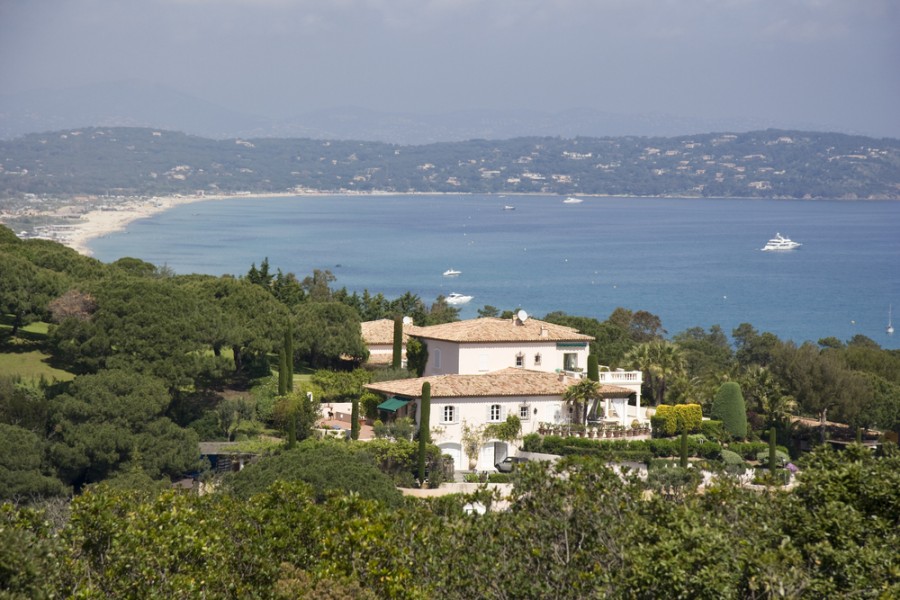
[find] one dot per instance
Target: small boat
(890, 327)
(452, 273)
(780, 242)
(572, 200)
(455, 298)
(509, 207)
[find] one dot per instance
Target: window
(524, 412)
(449, 414)
(520, 360)
(570, 361)
(537, 359)
(495, 412)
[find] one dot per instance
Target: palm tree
(579, 396)
(661, 361)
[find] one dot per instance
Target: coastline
(101, 222)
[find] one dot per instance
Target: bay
(693, 262)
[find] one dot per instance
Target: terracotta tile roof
(382, 331)
(489, 329)
(506, 382)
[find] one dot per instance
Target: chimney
(544, 332)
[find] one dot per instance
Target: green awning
(393, 404)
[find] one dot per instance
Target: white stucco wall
(472, 359)
(475, 412)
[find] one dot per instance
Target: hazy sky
(835, 63)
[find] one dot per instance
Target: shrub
(781, 457)
(713, 430)
(532, 442)
(731, 458)
(729, 407)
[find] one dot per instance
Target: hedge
(671, 420)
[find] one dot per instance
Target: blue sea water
(693, 262)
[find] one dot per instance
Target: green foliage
(730, 409)
(670, 420)
(327, 332)
(731, 458)
(424, 427)
(24, 473)
(589, 533)
(354, 419)
(399, 429)
(507, 431)
(397, 354)
(416, 355)
(328, 466)
(114, 418)
(712, 429)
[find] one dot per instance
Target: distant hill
(766, 164)
(138, 104)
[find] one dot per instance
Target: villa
(483, 370)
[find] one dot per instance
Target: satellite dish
(522, 315)
(407, 320)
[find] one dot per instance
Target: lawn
(26, 355)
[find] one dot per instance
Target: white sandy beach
(101, 222)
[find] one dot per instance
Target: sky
(834, 64)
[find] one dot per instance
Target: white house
(482, 370)
(490, 344)
(476, 400)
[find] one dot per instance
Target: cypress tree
(729, 408)
(772, 455)
(292, 429)
(593, 371)
(282, 373)
(424, 427)
(397, 358)
(354, 419)
(289, 352)
(683, 461)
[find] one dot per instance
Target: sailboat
(890, 327)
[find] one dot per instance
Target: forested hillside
(765, 164)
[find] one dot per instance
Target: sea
(692, 262)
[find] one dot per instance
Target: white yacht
(572, 200)
(451, 273)
(779, 242)
(455, 298)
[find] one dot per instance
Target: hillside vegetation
(764, 164)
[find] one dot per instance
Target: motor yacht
(455, 298)
(780, 242)
(451, 273)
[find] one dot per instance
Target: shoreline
(100, 222)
